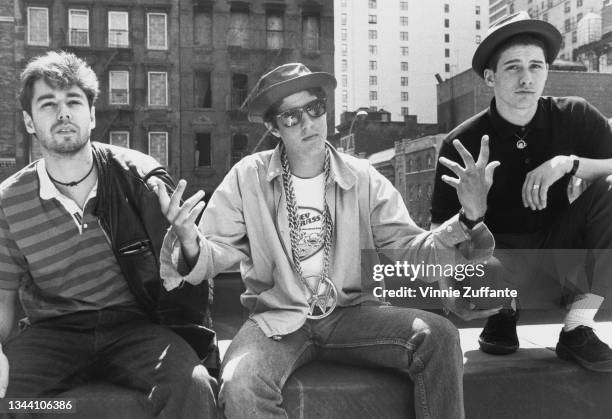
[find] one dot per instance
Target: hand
(4, 373)
(128, 158)
(474, 181)
(537, 182)
(466, 310)
(181, 217)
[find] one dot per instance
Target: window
(404, 20)
(343, 18)
(344, 64)
(549, 3)
(372, 4)
(158, 147)
(478, 24)
(574, 37)
(343, 34)
(373, 49)
(202, 27)
(158, 88)
(157, 31)
(373, 80)
(239, 147)
(373, 65)
(403, 36)
(119, 138)
(446, 8)
(446, 23)
(446, 52)
(404, 96)
(344, 49)
(202, 92)
(310, 32)
(567, 7)
(202, 150)
(38, 26)
(446, 37)
(404, 66)
(274, 31)
(372, 34)
(344, 81)
(403, 81)
(545, 17)
(373, 95)
(78, 27)
(238, 31)
(578, 17)
(404, 51)
(372, 19)
(477, 10)
(405, 110)
(118, 29)
(344, 96)
(578, 3)
(403, 5)
(447, 67)
(567, 25)
(240, 89)
(478, 39)
(118, 87)
(343, 3)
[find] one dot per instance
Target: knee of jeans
(237, 384)
(443, 330)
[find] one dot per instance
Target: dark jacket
(131, 217)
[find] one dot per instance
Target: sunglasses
(292, 117)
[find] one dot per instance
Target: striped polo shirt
(56, 254)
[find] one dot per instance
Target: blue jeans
(255, 367)
(125, 348)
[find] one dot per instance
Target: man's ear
(489, 77)
(93, 117)
(29, 124)
(273, 130)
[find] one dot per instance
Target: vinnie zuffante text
(412, 272)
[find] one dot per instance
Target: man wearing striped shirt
(55, 253)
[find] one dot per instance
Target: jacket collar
(339, 170)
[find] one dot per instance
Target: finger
(175, 200)
(489, 171)
(483, 156)
(193, 215)
(162, 196)
(183, 213)
(543, 195)
(453, 166)
(526, 192)
(454, 182)
(535, 193)
(468, 160)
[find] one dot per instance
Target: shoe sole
(566, 354)
(496, 349)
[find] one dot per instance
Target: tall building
(388, 52)
(563, 14)
(173, 73)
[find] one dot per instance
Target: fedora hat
(281, 82)
(517, 24)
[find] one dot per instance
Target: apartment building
(390, 53)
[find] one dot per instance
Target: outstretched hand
(474, 180)
(4, 373)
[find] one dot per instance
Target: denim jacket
(246, 222)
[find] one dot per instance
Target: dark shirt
(561, 126)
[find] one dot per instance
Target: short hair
(59, 70)
(520, 39)
(271, 113)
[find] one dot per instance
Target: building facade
(388, 52)
(173, 74)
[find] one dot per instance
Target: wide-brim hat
(281, 82)
(517, 24)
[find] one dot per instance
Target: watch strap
(470, 224)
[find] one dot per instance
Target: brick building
(376, 132)
(8, 78)
(173, 73)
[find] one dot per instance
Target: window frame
(29, 38)
(149, 104)
(149, 46)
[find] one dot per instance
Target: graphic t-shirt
(309, 197)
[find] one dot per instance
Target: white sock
(582, 311)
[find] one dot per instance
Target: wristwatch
(470, 224)
(575, 164)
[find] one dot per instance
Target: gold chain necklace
(323, 293)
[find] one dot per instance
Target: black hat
(517, 24)
(281, 82)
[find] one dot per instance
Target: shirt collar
(48, 190)
(339, 171)
(505, 128)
